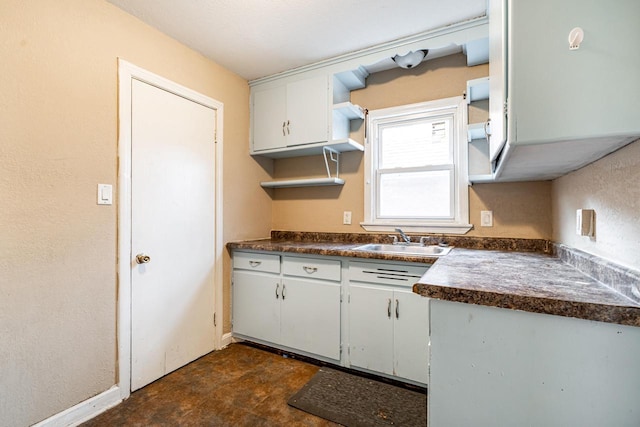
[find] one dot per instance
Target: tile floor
(237, 386)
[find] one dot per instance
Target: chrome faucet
(406, 238)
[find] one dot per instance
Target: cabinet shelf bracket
(333, 156)
(330, 156)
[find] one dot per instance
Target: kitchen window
(416, 168)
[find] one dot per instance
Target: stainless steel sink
(432, 250)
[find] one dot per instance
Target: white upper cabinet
(292, 114)
(269, 127)
(298, 116)
(497, 77)
(565, 107)
(307, 112)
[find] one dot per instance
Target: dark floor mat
(355, 401)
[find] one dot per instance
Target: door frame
(126, 73)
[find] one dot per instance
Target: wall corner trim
(226, 340)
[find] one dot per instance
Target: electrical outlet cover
(486, 218)
(346, 218)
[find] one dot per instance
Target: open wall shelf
(330, 155)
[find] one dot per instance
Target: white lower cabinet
(411, 337)
(495, 367)
(310, 317)
(295, 303)
(256, 305)
(388, 323)
(293, 309)
(256, 295)
(370, 328)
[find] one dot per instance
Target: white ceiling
(257, 38)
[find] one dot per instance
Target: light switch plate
(105, 194)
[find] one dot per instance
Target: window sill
(419, 228)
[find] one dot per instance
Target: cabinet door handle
(255, 263)
(277, 288)
(283, 125)
(309, 270)
(397, 309)
(288, 131)
(284, 288)
(389, 308)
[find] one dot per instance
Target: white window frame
(459, 224)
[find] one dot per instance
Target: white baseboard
(84, 411)
(96, 405)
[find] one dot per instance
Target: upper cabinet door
(308, 111)
(566, 107)
(558, 94)
(291, 114)
(269, 118)
(497, 131)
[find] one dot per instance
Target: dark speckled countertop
(533, 282)
(325, 249)
(519, 274)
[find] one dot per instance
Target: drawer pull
(277, 288)
(397, 309)
(254, 264)
(389, 309)
(310, 270)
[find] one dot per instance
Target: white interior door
(173, 222)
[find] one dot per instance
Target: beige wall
(58, 139)
(610, 186)
(520, 210)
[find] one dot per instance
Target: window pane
(415, 195)
(414, 144)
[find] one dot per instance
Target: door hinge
(505, 107)
(214, 319)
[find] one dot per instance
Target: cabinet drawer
(268, 263)
(386, 274)
(325, 269)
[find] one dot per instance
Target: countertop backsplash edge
(619, 278)
(467, 242)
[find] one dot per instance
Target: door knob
(142, 258)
